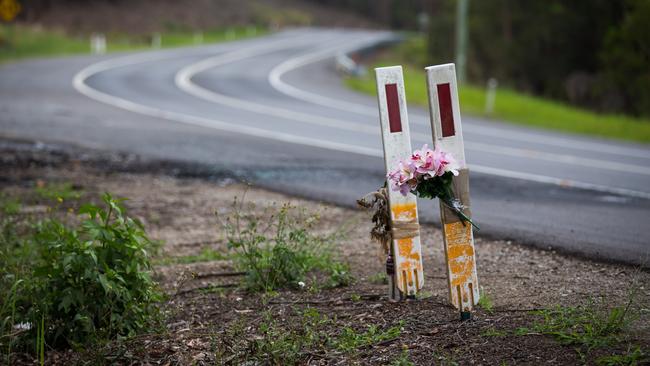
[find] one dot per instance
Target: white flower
(301, 284)
(23, 326)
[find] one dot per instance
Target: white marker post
(490, 95)
(407, 277)
(97, 44)
(458, 236)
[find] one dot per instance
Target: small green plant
(587, 327)
(403, 359)
(632, 357)
(379, 278)
(492, 332)
(279, 249)
(350, 340)
(339, 275)
(59, 191)
(9, 205)
(75, 285)
(583, 326)
(286, 345)
(289, 343)
(486, 303)
(444, 358)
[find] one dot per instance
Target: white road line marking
(79, 83)
(275, 79)
(183, 80)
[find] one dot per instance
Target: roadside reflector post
(405, 255)
(97, 44)
(490, 95)
(458, 236)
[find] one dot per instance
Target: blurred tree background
(590, 53)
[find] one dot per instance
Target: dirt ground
(211, 319)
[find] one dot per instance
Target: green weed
(339, 275)
(288, 343)
(72, 285)
(485, 302)
(444, 358)
(9, 205)
(585, 327)
(379, 278)
(279, 249)
(590, 327)
(350, 340)
(403, 359)
(492, 332)
(632, 357)
(59, 192)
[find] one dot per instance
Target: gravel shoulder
(211, 320)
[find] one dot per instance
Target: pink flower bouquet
(429, 174)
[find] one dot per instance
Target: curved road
(273, 110)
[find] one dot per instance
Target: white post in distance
(98, 44)
(444, 109)
(490, 95)
(407, 278)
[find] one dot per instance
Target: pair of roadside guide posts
(406, 275)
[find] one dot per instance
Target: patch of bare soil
(147, 16)
(212, 321)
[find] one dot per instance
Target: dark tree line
(593, 53)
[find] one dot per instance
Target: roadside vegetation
(598, 332)
(310, 334)
(74, 274)
(591, 328)
(510, 106)
(22, 41)
(78, 275)
(279, 249)
(269, 283)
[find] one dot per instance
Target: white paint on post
(444, 110)
(406, 251)
(97, 44)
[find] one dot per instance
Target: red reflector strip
(446, 113)
(394, 116)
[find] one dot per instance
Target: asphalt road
(273, 110)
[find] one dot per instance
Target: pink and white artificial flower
(403, 178)
(444, 162)
(423, 161)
